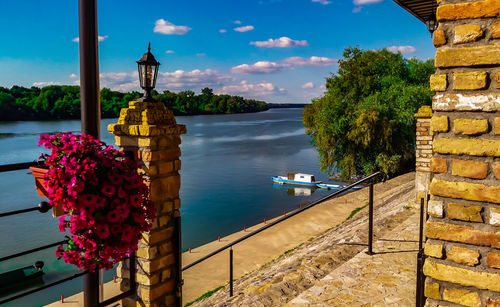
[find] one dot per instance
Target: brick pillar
(463, 231)
(150, 132)
(423, 152)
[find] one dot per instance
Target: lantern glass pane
(155, 75)
(148, 76)
(141, 76)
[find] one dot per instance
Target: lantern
(148, 71)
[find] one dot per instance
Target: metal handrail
(42, 208)
(307, 206)
(32, 250)
(17, 166)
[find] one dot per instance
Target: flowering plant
(104, 199)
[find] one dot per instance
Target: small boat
(296, 179)
(21, 278)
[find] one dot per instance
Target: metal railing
(44, 207)
(293, 213)
(419, 293)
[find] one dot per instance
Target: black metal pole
(178, 276)
(370, 221)
(90, 105)
(421, 229)
(89, 68)
(419, 297)
(231, 272)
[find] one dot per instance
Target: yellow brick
(492, 303)
(461, 276)
(462, 234)
(475, 80)
(150, 266)
(147, 252)
(465, 212)
(469, 169)
(465, 190)
(470, 126)
(462, 297)
(497, 125)
(439, 124)
(147, 280)
(438, 165)
(473, 147)
(151, 238)
(439, 38)
(467, 33)
(495, 166)
(470, 56)
(495, 30)
(431, 290)
(424, 111)
(150, 294)
(433, 250)
(493, 260)
(438, 82)
(463, 255)
(477, 9)
(497, 79)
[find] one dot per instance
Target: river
(227, 162)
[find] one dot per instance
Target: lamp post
(148, 72)
(431, 24)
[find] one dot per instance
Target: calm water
(227, 162)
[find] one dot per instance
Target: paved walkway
(254, 252)
(385, 279)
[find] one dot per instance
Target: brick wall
(423, 152)
(463, 231)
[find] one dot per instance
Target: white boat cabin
(301, 177)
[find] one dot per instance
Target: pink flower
(127, 233)
(116, 229)
(108, 190)
(113, 216)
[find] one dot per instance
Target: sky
(279, 51)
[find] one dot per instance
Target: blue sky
(274, 50)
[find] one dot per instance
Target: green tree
(365, 121)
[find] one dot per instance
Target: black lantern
(148, 71)
(431, 24)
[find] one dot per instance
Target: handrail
(17, 166)
(32, 250)
(310, 205)
(42, 207)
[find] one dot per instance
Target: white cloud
(253, 89)
(308, 85)
(45, 83)
(99, 38)
(164, 27)
(169, 51)
(361, 2)
(260, 67)
(324, 2)
(73, 76)
(201, 54)
(402, 49)
(244, 29)
(237, 22)
(222, 31)
(312, 61)
(267, 67)
(282, 42)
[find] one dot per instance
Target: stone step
(296, 271)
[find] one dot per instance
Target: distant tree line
(63, 102)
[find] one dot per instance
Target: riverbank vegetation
(365, 120)
(63, 102)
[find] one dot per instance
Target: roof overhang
(422, 9)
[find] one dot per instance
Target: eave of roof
(422, 9)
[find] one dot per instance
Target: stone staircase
(329, 269)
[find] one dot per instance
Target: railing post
(178, 277)
(91, 289)
(421, 228)
(420, 298)
(370, 221)
(231, 272)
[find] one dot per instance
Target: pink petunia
(108, 190)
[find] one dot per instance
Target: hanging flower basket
(103, 199)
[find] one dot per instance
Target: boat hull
(278, 180)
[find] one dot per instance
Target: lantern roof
(148, 58)
(424, 10)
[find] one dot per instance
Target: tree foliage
(63, 102)
(365, 120)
